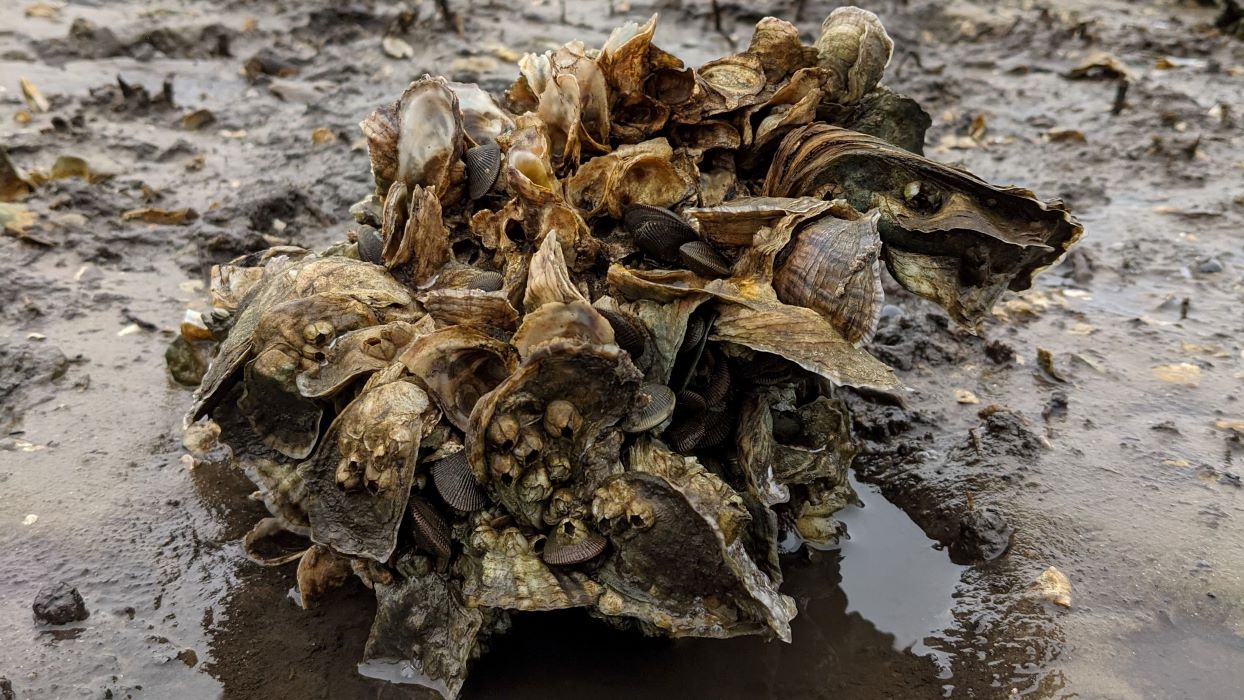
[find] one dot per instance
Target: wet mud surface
(1115, 461)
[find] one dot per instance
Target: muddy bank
(1106, 469)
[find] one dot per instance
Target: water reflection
(891, 573)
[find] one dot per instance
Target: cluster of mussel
(582, 347)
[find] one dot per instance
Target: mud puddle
(893, 575)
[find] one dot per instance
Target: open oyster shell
(948, 236)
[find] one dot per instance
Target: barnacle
(584, 346)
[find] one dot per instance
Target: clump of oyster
(584, 346)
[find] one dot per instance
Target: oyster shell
(948, 236)
(853, 48)
(270, 324)
(423, 634)
(458, 365)
(594, 385)
(359, 353)
(430, 139)
(359, 480)
(677, 562)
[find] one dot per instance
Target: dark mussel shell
(371, 245)
(661, 240)
(718, 428)
(483, 166)
(635, 216)
(768, 370)
(702, 259)
(718, 382)
(487, 281)
(586, 549)
(431, 531)
(697, 328)
(659, 407)
(690, 403)
(626, 332)
(685, 435)
(456, 484)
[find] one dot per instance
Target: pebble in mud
(1209, 266)
(6, 689)
(59, 604)
(984, 535)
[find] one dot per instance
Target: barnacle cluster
(583, 346)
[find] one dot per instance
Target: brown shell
(360, 477)
(431, 531)
(853, 48)
(431, 138)
(776, 43)
(718, 428)
(381, 129)
(482, 119)
(421, 248)
(371, 245)
(458, 365)
(661, 240)
(833, 265)
(357, 353)
(470, 307)
(690, 403)
(732, 82)
(586, 549)
(456, 485)
(487, 281)
(719, 381)
(627, 332)
(684, 436)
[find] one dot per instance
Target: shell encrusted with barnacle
(585, 345)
